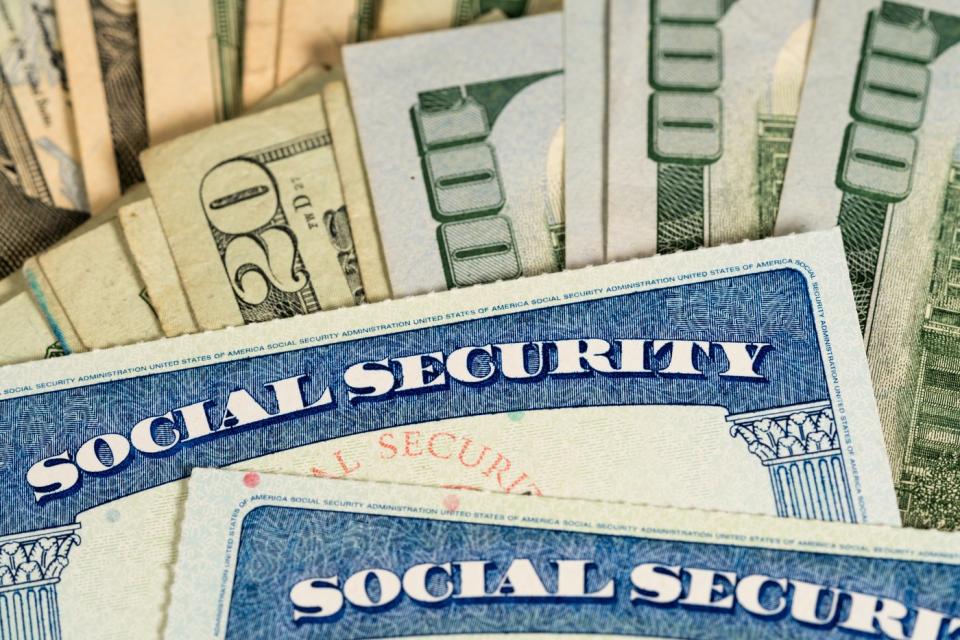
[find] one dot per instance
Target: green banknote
(254, 217)
(702, 102)
(876, 152)
(584, 160)
(462, 137)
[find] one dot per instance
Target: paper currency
(400, 17)
(462, 138)
(308, 82)
(585, 105)
(356, 194)
(150, 253)
(37, 122)
(102, 56)
(90, 290)
(9, 286)
(191, 64)
(353, 177)
(313, 31)
(255, 218)
(431, 561)
(41, 190)
(730, 378)
(261, 42)
(700, 118)
(24, 332)
(877, 153)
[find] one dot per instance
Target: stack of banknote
(393, 318)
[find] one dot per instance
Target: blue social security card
(265, 556)
(731, 378)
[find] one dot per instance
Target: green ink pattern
(930, 479)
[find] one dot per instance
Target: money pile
(694, 255)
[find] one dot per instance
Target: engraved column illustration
(933, 442)
(800, 448)
(30, 568)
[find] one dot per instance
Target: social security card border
(220, 504)
(840, 348)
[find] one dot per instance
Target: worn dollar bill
(312, 32)
(731, 378)
(190, 54)
(37, 119)
(257, 558)
(101, 52)
(149, 251)
(255, 218)
(261, 43)
(585, 130)
(41, 188)
(876, 153)
(24, 332)
(462, 138)
(400, 17)
(353, 176)
(308, 82)
(701, 113)
(356, 192)
(89, 288)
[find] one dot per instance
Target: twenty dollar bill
(876, 152)
(255, 218)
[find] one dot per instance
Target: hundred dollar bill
(101, 52)
(255, 218)
(400, 17)
(190, 53)
(877, 153)
(731, 378)
(462, 138)
(257, 559)
(585, 104)
(701, 114)
(37, 120)
(261, 42)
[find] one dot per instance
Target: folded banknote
(732, 378)
(264, 556)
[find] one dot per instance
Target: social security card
(277, 557)
(731, 378)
